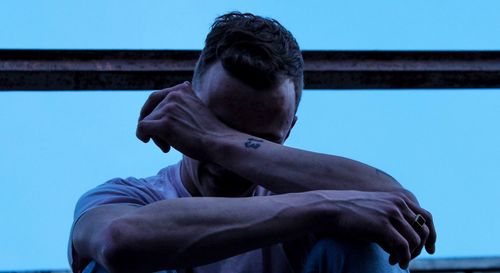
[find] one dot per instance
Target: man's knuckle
(401, 194)
(385, 222)
(394, 213)
(173, 96)
(399, 201)
(429, 216)
(153, 96)
(169, 109)
(416, 240)
(166, 120)
(141, 131)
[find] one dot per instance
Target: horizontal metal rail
(439, 265)
(154, 69)
(462, 265)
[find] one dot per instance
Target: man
(241, 201)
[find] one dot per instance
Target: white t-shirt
(167, 184)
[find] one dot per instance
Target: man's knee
(343, 252)
(333, 255)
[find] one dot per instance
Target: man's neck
(188, 177)
(199, 185)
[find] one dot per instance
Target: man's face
(268, 114)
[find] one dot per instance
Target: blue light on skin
(442, 145)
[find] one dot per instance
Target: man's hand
(177, 117)
(374, 206)
(385, 218)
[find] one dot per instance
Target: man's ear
(295, 118)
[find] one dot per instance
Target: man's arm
(176, 117)
(188, 232)
(283, 169)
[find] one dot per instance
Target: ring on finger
(419, 220)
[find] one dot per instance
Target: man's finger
(421, 231)
(153, 100)
(154, 129)
(151, 127)
(397, 247)
(430, 244)
(409, 233)
(150, 105)
(162, 144)
(156, 97)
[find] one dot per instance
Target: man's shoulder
(127, 191)
(130, 190)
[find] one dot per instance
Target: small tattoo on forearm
(253, 143)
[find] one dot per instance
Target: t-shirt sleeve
(130, 191)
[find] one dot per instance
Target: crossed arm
(318, 193)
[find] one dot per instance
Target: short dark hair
(258, 51)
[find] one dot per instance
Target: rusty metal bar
(435, 265)
(479, 264)
(155, 69)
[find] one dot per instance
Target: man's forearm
(188, 232)
(283, 169)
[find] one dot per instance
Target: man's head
(250, 75)
(258, 51)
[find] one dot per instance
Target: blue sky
(441, 144)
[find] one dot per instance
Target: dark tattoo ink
(253, 143)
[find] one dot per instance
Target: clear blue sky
(443, 145)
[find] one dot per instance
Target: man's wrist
(310, 212)
(314, 211)
(324, 210)
(221, 148)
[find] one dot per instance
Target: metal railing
(442, 265)
(458, 265)
(154, 69)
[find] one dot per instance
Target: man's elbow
(115, 252)
(126, 248)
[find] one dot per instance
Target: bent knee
(348, 256)
(348, 249)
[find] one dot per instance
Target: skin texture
(232, 139)
(266, 114)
